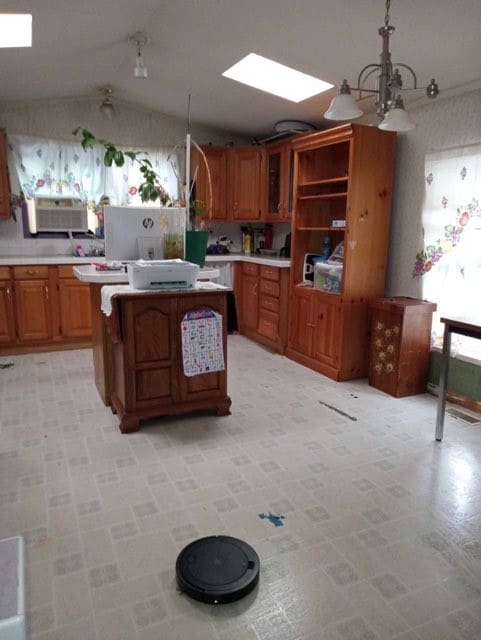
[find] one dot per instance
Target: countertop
(88, 273)
(273, 261)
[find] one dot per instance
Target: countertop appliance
(286, 249)
(162, 274)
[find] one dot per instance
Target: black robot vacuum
(217, 569)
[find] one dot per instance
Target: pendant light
(387, 89)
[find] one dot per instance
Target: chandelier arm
(411, 71)
(362, 77)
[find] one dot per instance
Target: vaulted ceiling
(79, 46)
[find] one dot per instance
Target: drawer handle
(46, 290)
(8, 292)
(32, 272)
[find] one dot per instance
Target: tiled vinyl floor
(381, 535)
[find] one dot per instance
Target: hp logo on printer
(147, 223)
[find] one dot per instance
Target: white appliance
(138, 232)
(162, 274)
(62, 213)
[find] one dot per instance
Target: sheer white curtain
(450, 262)
(54, 167)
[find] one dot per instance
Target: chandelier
(387, 88)
(106, 106)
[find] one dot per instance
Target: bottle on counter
(246, 241)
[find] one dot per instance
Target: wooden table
(463, 326)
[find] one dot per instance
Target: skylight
(273, 77)
(15, 30)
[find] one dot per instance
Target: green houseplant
(151, 190)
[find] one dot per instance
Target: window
(450, 263)
(53, 167)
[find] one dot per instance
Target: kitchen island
(141, 358)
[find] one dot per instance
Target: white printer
(162, 274)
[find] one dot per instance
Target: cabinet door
(280, 175)
(274, 163)
(245, 183)
(249, 302)
(327, 331)
(75, 316)
(217, 161)
(7, 318)
(205, 385)
(4, 181)
(301, 322)
(150, 339)
(32, 298)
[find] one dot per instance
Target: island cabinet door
(150, 337)
(205, 385)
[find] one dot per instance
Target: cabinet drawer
(65, 271)
(270, 273)
(268, 324)
(30, 272)
(269, 303)
(270, 288)
(4, 273)
(250, 268)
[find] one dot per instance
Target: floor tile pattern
(381, 534)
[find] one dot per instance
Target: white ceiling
(79, 46)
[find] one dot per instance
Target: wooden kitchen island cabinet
(146, 367)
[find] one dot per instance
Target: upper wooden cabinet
(216, 158)
(279, 181)
(342, 188)
(236, 180)
(246, 169)
(5, 210)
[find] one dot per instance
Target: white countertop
(26, 260)
(88, 273)
(273, 261)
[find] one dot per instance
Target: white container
(328, 277)
(12, 589)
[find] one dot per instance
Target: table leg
(443, 381)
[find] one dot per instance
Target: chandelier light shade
(139, 38)
(106, 106)
(388, 85)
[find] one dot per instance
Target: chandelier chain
(386, 17)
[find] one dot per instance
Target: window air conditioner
(57, 214)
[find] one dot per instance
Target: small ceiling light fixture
(15, 30)
(106, 107)
(140, 39)
(388, 87)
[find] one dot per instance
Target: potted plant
(151, 190)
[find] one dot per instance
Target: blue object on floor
(276, 520)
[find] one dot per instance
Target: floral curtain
(53, 167)
(450, 262)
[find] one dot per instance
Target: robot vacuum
(217, 569)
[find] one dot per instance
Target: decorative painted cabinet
(400, 345)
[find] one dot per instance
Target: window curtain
(450, 262)
(53, 168)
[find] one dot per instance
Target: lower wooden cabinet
(43, 308)
(33, 303)
(74, 300)
(262, 300)
(8, 333)
(315, 330)
(146, 371)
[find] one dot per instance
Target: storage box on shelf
(343, 184)
(262, 299)
(43, 308)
